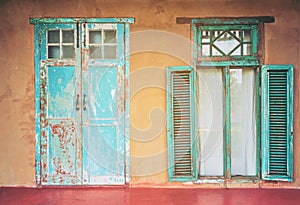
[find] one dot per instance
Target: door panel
(103, 93)
(61, 92)
(103, 122)
(62, 152)
(103, 147)
(59, 148)
(59, 119)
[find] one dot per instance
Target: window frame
(227, 128)
(256, 61)
(228, 62)
(254, 42)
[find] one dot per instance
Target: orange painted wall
(156, 42)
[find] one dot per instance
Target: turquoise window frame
(227, 127)
(255, 61)
(234, 59)
(251, 61)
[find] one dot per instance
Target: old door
(80, 102)
(103, 104)
(57, 81)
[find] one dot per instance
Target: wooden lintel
(225, 20)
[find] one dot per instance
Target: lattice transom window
(227, 41)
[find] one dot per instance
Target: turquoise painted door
(81, 101)
(103, 104)
(59, 119)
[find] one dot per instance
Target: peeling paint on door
(80, 102)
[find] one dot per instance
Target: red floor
(74, 196)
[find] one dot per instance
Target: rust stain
(70, 163)
(44, 165)
(58, 166)
(44, 179)
(61, 179)
(73, 181)
(64, 133)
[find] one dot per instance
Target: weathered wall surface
(156, 42)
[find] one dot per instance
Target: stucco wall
(156, 42)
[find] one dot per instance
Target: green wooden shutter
(181, 123)
(277, 122)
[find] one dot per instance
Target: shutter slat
(182, 146)
(277, 149)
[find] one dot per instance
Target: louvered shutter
(181, 123)
(277, 122)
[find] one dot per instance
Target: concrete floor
(145, 196)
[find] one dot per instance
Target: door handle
(84, 102)
(77, 103)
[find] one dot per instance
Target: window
(227, 40)
(102, 42)
(229, 116)
(60, 43)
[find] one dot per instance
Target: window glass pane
(53, 36)
(247, 49)
(205, 50)
(110, 52)
(210, 119)
(110, 36)
(243, 122)
(205, 36)
(247, 35)
(95, 52)
(236, 52)
(215, 52)
(226, 42)
(68, 36)
(53, 52)
(68, 51)
(95, 37)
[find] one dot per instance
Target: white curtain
(210, 121)
(243, 124)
